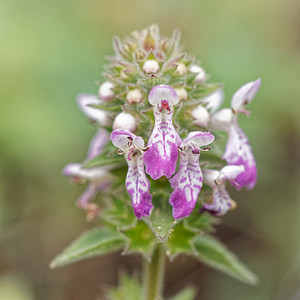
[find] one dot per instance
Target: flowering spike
(161, 157)
(221, 201)
(187, 183)
(137, 183)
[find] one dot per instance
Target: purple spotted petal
(244, 96)
(161, 157)
(187, 183)
(138, 185)
(221, 201)
(238, 152)
(98, 142)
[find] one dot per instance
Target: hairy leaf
(213, 253)
(96, 242)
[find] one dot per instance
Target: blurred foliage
(52, 50)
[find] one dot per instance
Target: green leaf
(140, 239)
(213, 253)
(129, 288)
(180, 240)
(161, 220)
(96, 242)
(186, 294)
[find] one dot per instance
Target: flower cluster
(156, 94)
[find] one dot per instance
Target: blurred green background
(52, 50)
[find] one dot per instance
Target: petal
(238, 152)
(161, 157)
(221, 201)
(85, 101)
(244, 95)
(214, 100)
(187, 183)
(210, 176)
(123, 139)
(198, 139)
(162, 92)
(72, 169)
(138, 185)
(229, 172)
(221, 120)
(98, 142)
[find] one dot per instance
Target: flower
(98, 177)
(187, 183)
(85, 102)
(221, 201)
(162, 154)
(238, 150)
(201, 75)
(137, 183)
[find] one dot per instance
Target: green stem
(154, 274)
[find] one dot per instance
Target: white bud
(181, 69)
(201, 116)
(124, 121)
(201, 75)
(134, 96)
(105, 91)
(181, 93)
(151, 66)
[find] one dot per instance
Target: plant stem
(154, 274)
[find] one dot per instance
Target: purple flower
(238, 150)
(187, 183)
(221, 201)
(99, 178)
(162, 154)
(98, 116)
(136, 181)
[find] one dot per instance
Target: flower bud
(201, 116)
(134, 96)
(124, 121)
(181, 69)
(181, 93)
(151, 66)
(201, 75)
(105, 91)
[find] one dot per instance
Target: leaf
(140, 239)
(129, 287)
(213, 253)
(186, 294)
(96, 242)
(180, 240)
(161, 220)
